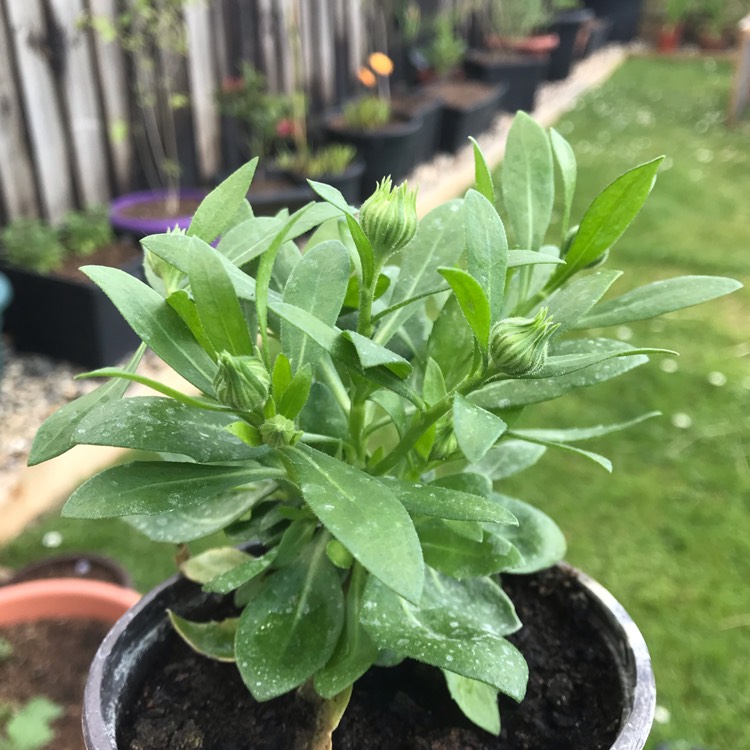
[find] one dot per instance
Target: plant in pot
(56, 310)
(514, 54)
(468, 107)
(153, 35)
(358, 408)
(674, 14)
(386, 139)
(572, 25)
(717, 20)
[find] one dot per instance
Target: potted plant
(452, 107)
(717, 20)
(386, 140)
(571, 23)
(513, 54)
(359, 407)
(669, 35)
(154, 37)
(56, 310)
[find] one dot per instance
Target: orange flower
(381, 63)
(366, 77)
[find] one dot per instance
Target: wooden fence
(66, 97)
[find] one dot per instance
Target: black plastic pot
(348, 182)
(625, 16)
(463, 119)
(389, 150)
(598, 35)
(422, 104)
(569, 26)
(126, 654)
(521, 74)
(6, 294)
(68, 319)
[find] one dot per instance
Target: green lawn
(668, 534)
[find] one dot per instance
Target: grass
(668, 533)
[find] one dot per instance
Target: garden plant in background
(372, 111)
(357, 404)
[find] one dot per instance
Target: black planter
(521, 73)
(389, 150)
(68, 319)
(422, 104)
(348, 182)
(598, 35)
(274, 190)
(625, 16)
(570, 27)
(463, 115)
(127, 652)
(6, 294)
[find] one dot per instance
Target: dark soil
(573, 701)
(159, 208)
(51, 658)
(116, 255)
(73, 566)
(397, 124)
(462, 94)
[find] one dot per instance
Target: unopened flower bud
(389, 218)
(241, 382)
(279, 431)
(518, 346)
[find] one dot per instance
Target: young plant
(331, 159)
(446, 50)
(374, 110)
(29, 726)
(32, 244)
(84, 232)
(358, 408)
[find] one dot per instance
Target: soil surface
(462, 94)
(81, 566)
(116, 255)
(573, 700)
(158, 208)
(51, 658)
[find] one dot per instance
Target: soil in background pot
(51, 658)
(158, 208)
(574, 700)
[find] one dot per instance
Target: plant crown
(359, 405)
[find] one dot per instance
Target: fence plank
(110, 62)
(81, 104)
(43, 114)
(203, 85)
(17, 181)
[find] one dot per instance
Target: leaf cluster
(366, 468)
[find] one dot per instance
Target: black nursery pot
(569, 27)
(421, 104)
(520, 73)
(144, 634)
(625, 16)
(389, 150)
(68, 319)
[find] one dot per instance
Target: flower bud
(241, 382)
(279, 431)
(518, 346)
(389, 218)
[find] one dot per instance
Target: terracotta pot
(69, 598)
(138, 638)
(669, 38)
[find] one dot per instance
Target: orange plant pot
(66, 598)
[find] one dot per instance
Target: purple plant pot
(142, 227)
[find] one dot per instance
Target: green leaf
(473, 302)
(370, 354)
(317, 285)
(482, 174)
(364, 515)
(355, 652)
(575, 299)
(213, 562)
(514, 393)
(658, 298)
(451, 343)
(297, 393)
(196, 522)
(214, 639)
(566, 163)
(294, 540)
(468, 481)
(508, 458)
(581, 433)
(293, 625)
(433, 387)
(364, 249)
(322, 413)
(487, 249)
(537, 537)
(518, 258)
(281, 376)
(564, 364)
(477, 700)
(151, 317)
(29, 728)
(458, 626)
(439, 241)
(476, 429)
(331, 195)
(604, 462)
(219, 207)
(164, 425)
(445, 502)
(181, 302)
(455, 555)
(217, 304)
(57, 433)
(229, 581)
(528, 181)
(248, 240)
(149, 487)
(607, 218)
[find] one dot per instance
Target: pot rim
(26, 572)
(154, 224)
(638, 711)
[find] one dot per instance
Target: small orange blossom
(366, 77)
(381, 63)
